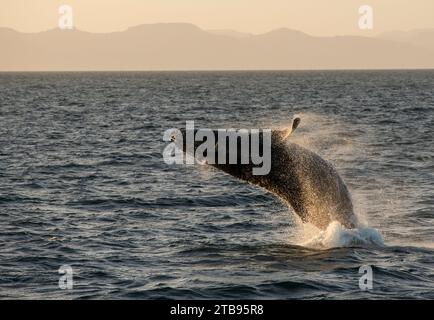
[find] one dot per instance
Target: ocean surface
(83, 184)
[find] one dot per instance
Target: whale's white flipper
(286, 133)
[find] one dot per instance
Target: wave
(337, 236)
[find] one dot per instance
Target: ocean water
(83, 184)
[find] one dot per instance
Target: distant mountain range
(423, 38)
(180, 46)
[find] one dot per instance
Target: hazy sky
(316, 17)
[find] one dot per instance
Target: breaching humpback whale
(301, 178)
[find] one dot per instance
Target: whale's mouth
(337, 236)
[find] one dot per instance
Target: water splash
(337, 236)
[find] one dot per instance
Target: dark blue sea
(83, 184)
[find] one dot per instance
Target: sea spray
(336, 236)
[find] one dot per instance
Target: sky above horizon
(321, 18)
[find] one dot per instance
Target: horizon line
(215, 70)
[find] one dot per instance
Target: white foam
(336, 236)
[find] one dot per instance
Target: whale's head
(240, 153)
(243, 153)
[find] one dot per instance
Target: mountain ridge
(184, 46)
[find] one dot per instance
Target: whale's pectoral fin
(286, 133)
(295, 123)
